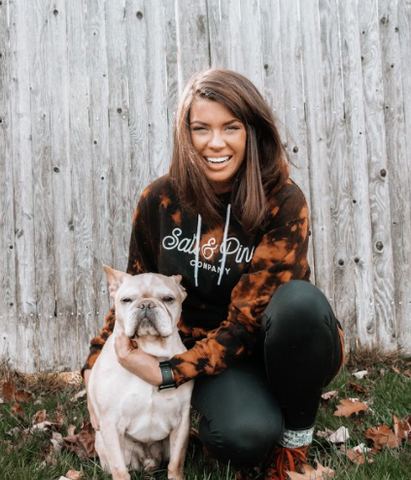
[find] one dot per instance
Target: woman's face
(220, 138)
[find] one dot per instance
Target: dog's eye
(126, 300)
(168, 299)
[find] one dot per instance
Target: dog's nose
(147, 305)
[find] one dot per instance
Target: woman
(262, 341)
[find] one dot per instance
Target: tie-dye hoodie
(229, 275)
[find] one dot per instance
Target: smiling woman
(262, 342)
(221, 140)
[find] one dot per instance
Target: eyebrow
(224, 124)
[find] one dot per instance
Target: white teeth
(217, 160)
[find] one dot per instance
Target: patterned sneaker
(285, 460)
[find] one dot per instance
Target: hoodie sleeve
(141, 259)
(280, 256)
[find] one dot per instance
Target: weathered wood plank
(357, 159)
(404, 33)
(140, 124)
(172, 70)
(253, 67)
(119, 139)
(8, 307)
(82, 184)
(56, 85)
(398, 168)
(97, 72)
(294, 109)
(42, 171)
(378, 188)
(225, 29)
(192, 39)
(339, 168)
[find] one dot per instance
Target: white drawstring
(223, 246)
(197, 250)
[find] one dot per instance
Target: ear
(115, 279)
(177, 280)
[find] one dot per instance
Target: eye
(168, 299)
(233, 127)
(125, 300)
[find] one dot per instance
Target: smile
(217, 159)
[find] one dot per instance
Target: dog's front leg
(178, 447)
(114, 451)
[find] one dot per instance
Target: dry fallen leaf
(17, 410)
(71, 429)
(82, 444)
(402, 428)
(408, 373)
(341, 435)
(360, 374)
(359, 454)
(23, 396)
(74, 475)
(349, 406)
(8, 390)
(39, 417)
(327, 396)
(382, 436)
(357, 388)
(395, 369)
(79, 395)
(310, 473)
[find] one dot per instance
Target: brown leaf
(82, 444)
(17, 410)
(39, 417)
(349, 406)
(8, 390)
(23, 396)
(327, 396)
(310, 473)
(71, 429)
(358, 455)
(357, 388)
(395, 369)
(408, 373)
(60, 418)
(74, 475)
(382, 436)
(402, 428)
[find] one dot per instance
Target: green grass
(29, 456)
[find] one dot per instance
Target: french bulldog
(140, 426)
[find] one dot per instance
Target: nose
(146, 305)
(217, 140)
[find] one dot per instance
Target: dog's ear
(115, 279)
(177, 280)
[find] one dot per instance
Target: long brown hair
(263, 168)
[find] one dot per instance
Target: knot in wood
(341, 262)
(295, 149)
(139, 15)
(383, 172)
(56, 169)
(379, 246)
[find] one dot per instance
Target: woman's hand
(136, 361)
(93, 417)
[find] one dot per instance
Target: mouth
(218, 160)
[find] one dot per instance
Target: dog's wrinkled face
(146, 304)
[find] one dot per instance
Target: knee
(242, 442)
(297, 306)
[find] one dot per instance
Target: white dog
(141, 426)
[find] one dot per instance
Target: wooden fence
(87, 97)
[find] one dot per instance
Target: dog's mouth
(146, 323)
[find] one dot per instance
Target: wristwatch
(167, 375)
